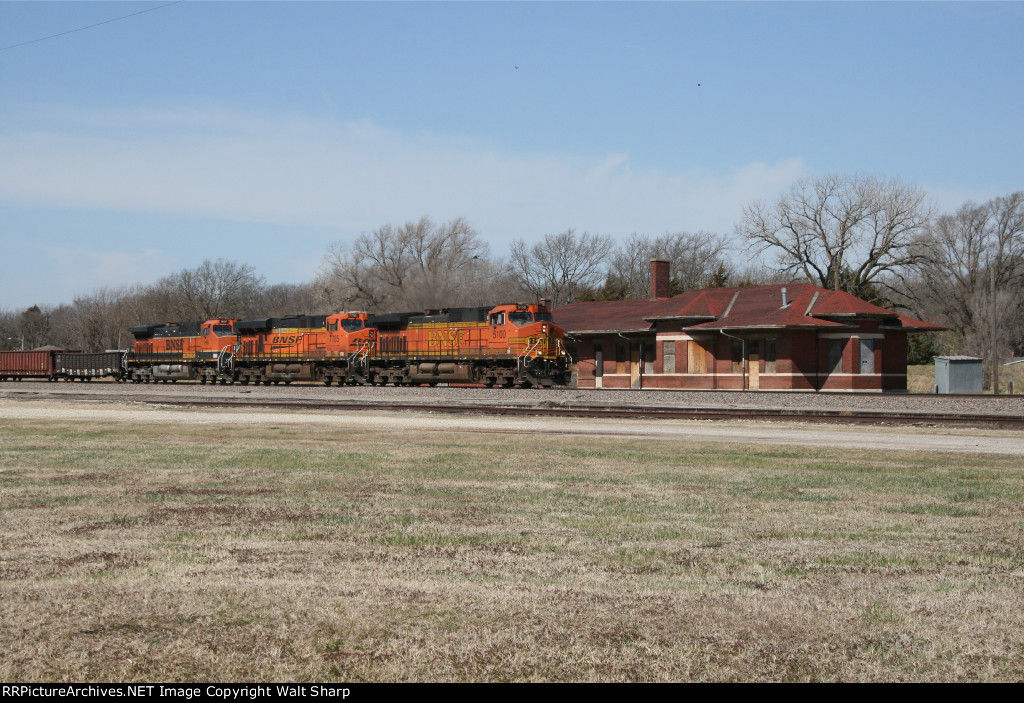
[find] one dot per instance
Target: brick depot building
(778, 337)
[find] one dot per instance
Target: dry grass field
(159, 552)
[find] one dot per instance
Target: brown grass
(210, 552)
(921, 378)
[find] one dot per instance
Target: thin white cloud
(355, 176)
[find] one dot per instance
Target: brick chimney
(661, 282)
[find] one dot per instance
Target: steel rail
(632, 412)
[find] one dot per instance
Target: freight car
(85, 366)
(16, 365)
(56, 364)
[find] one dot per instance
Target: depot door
(634, 365)
(754, 369)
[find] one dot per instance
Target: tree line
(877, 239)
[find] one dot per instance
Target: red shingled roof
(604, 316)
(724, 308)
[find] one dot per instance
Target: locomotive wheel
(202, 380)
(327, 380)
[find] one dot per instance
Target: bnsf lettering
(175, 344)
(286, 339)
(446, 336)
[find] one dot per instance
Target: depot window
(770, 354)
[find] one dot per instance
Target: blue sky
(264, 131)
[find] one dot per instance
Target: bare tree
(100, 320)
(213, 289)
(10, 336)
(282, 299)
(34, 327)
(841, 232)
(417, 265)
(561, 266)
(695, 259)
(967, 254)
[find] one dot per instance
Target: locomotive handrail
(363, 351)
(520, 359)
(562, 348)
(226, 358)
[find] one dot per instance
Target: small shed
(959, 374)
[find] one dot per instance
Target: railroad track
(557, 408)
(550, 409)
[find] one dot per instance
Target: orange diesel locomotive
(505, 346)
(181, 351)
(328, 348)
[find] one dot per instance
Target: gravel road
(111, 409)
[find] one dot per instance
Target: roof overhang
(574, 333)
(765, 327)
(681, 317)
(861, 315)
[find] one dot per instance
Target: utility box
(959, 374)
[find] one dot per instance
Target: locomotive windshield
(351, 324)
(223, 330)
(524, 318)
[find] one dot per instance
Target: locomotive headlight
(544, 329)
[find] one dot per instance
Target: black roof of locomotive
(283, 323)
(166, 329)
(397, 320)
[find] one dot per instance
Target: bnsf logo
(286, 339)
(445, 336)
(175, 344)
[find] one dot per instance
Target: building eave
(576, 333)
(681, 317)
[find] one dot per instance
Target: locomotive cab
(529, 329)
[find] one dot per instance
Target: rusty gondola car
(59, 364)
(39, 363)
